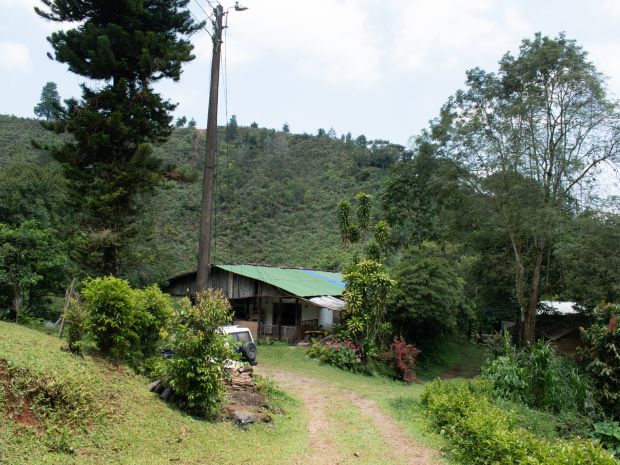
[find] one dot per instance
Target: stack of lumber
(241, 379)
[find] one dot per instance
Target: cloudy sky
(376, 67)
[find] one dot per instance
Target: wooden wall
(234, 286)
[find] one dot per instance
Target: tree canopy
(533, 137)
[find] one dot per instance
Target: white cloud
(605, 58)
(14, 56)
(20, 3)
(612, 7)
(438, 34)
(326, 40)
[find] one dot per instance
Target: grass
(399, 400)
(457, 356)
(124, 423)
(112, 418)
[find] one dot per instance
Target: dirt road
(345, 428)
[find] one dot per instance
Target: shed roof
(300, 282)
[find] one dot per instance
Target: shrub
(196, 370)
(484, 434)
(607, 433)
(76, 324)
(402, 356)
(602, 357)
(343, 354)
(539, 378)
(125, 322)
(111, 308)
(153, 312)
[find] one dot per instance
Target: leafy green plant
(607, 433)
(484, 434)
(125, 322)
(196, 370)
(538, 377)
(111, 307)
(153, 312)
(344, 354)
(602, 357)
(368, 286)
(76, 324)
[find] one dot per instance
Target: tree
(201, 351)
(366, 293)
(192, 123)
(32, 192)
(429, 300)
(126, 46)
(358, 230)
(180, 122)
(589, 270)
(285, 128)
(30, 257)
(232, 128)
(533, 137)
(49, 107)
(602, 356)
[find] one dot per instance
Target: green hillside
(276, 196)
(83, 410)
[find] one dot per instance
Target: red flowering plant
(401, 356)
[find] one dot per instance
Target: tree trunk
(529, 326)
(519, 287)
(17, 303)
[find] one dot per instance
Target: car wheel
(248, 349)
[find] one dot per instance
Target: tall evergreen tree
(49, 107)
(124, 46)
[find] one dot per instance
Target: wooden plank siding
(234, 286)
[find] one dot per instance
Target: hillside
(59, 408)
(276, 196)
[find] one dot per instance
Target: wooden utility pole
(206, 211)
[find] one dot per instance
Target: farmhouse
(277, 303)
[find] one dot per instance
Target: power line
(203, 10)
(199, 21)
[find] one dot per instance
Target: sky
(381, 68)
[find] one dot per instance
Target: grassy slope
(134, 427)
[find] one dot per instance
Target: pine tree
(124, 46)
(49, 107)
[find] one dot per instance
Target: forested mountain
(276, 195)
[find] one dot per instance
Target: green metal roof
(303, 283)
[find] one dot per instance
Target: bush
(607, 433)
(343, 354)
(76, 324)
(484, 434)
(196, 370)
(602, 355)
(111, 308)
(125, 322)
(539, 378)
(402, 356)
(153, 312)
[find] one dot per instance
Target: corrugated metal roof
(327, 301)
(303, 283)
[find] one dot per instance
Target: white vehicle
(243, 336)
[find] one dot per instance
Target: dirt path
(323, 431)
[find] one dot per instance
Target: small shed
(559, 322)
(275, 302)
